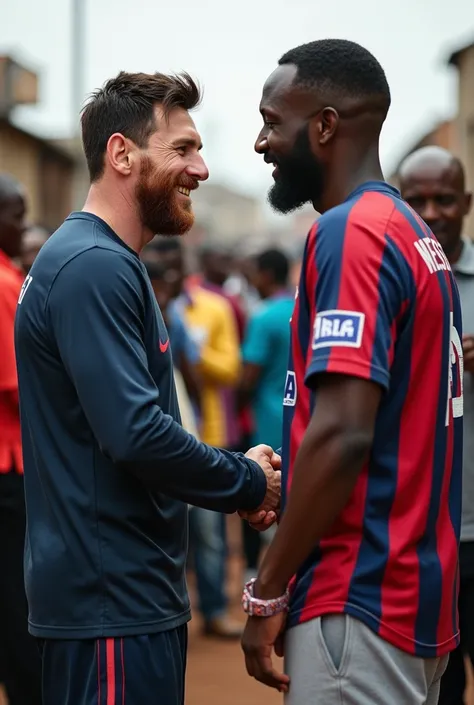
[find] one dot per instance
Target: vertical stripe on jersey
(323, 283)
(455, 486)
(294, 416)
(432, 547)
(364, 570)
(381, 528)
(447, 541)
(300, 342)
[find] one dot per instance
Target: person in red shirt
(20, 665)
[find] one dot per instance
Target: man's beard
(159, 205)
(300, 179)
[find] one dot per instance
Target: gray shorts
(337, 660)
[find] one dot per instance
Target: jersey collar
(381, 186)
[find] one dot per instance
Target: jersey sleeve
(257, 342)
(101, 344)
(358, 285)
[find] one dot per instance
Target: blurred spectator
(216, 265)
(19, 657)
(432, 181)
(184, 351)
(210, 323)
(34, 238)
(265, 356)
(249, 293)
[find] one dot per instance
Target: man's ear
(323, 126)
(120, 154)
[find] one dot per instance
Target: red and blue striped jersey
(377, 300)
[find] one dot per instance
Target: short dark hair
(9, 187)
(126, 104)
(276, 262)
(155, 270)
(341, 66)
(165, 243)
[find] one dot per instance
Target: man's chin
(283, 201)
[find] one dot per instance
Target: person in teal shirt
(265, 363)
(265, 347)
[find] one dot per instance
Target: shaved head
(9, 188)
(12, 215)
(432, 181)
(430, 161)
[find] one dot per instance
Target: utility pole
(78, 35)
(78, 65)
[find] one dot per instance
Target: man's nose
(198, 169)
(261, 144)
(430, 211)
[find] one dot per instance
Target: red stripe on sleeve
(363, 251)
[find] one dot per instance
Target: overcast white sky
(233, 54)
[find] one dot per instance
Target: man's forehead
(14, 199)
(278, 88)
(432, 164)
(432, 172)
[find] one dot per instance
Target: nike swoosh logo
(164, 346)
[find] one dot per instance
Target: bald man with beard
(432, 180)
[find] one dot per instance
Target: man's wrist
(255, 488)
(262, 607)
(268, 590)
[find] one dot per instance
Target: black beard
(300, 179)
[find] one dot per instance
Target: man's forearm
(170, 460)
(325, 472)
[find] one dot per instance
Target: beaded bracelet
(256, 607)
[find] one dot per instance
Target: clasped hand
(263, 517)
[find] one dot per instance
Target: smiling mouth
(184, 191)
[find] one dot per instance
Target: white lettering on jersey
(289, 397)
(432, 254)
(24, 288)
(456, 367)
(338, 329)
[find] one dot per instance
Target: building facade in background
(45, 168)
(456, 135)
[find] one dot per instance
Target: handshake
(266, 515)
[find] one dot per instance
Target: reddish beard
(158, 203)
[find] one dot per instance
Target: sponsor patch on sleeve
(338, 329)
(289, 397)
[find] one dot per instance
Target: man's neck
(275, 290)
(348, 177)
(119, 211)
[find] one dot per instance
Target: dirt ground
(216, 670)
(216, 673)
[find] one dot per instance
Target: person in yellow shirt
(211, 324)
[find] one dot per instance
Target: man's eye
(270, 125)
(181, 151)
